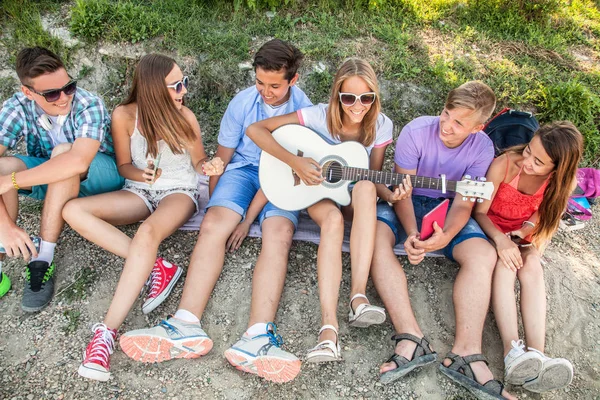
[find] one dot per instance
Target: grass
(78, 289)
(72, 317)
(522, 49)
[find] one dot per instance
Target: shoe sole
(556, 374)
(398, 372)
(157, 301)
(368, 318)
(529, 368)
(273, 369)
(94, 374)
(150, 349)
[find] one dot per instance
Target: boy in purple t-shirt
(451, 144)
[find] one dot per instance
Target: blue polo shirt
(246, 108)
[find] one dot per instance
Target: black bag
(510, 128)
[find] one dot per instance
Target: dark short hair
(35, 61)
(276, 55)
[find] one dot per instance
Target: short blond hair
(473, 95)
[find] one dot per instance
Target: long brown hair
(158, 116)
(564, 145)
(354, 67)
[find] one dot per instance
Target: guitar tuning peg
(464, 199)
(472, 199)
(467, 176)
(480, 200)
(482, 179)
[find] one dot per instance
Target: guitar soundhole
(332, 171)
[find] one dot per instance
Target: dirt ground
(40, 353)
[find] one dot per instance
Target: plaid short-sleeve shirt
(88, 119)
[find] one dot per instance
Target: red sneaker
(163, 278)
(96, 362)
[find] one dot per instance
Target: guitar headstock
(475, 189)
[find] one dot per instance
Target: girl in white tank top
(159, 152)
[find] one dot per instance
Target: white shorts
(153, 197)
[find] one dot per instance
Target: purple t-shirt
(419, 146)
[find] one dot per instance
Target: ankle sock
(1, 262)
(256, 329)
(186, 316)
(46, 252)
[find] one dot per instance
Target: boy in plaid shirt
(69, 153)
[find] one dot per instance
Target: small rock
(245, 66)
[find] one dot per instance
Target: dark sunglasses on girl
(54, 94)
(366, 99)
(179, 85)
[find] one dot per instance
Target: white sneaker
(521, 366)
(556, 373)
(261, 355)
(171, 338)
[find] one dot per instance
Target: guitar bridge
(294, 175)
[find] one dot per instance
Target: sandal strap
(461, 364)
(423, 347)
(358, 296)
(398, 360)
(331, 327)
(494, 386)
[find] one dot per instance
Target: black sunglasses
(179, 85)
(54, 94)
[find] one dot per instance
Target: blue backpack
(510, 128)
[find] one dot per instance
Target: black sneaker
(40, 286)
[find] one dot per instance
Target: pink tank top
(510, 208)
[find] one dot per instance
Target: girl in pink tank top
(533, 183)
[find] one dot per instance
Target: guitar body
(285, 190)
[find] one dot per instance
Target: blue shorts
(422, 205)
(236, 189)
(103, 176)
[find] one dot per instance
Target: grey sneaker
(262, 355)
(171, 338)
(39, 288)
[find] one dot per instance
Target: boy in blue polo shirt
(69, 153)
(236, 199)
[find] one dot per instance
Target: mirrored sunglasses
(179, 85)
(366, 99)
(54, 94)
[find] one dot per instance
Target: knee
(364, 191)
(531, 271)
(60, 149)
(146, 231)
(72, 211)
(477, 254)
(280, 235)
(8, 165)
(333, 223)
(212, 226)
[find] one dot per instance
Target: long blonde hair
(354, 67)
(564, 145)
(158, 116)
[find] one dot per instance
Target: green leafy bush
(573, 101)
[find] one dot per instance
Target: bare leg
(172, 212)
(504, 305)
(329, 261)
(207, 258)
(271, 268)
(533, 299)
(471, 297)
(95, 218)
(8, 165)
(57, 195)
(362, 237)
(390, 281)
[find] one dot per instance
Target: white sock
(1, 262)
(46, 252)
(186, 316)
(256, 329)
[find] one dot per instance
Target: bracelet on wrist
(528, 223)
(14, 181)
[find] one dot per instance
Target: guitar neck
(392, 178)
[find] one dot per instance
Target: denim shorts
(103, 176)
(236, 189)
(422, 205)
